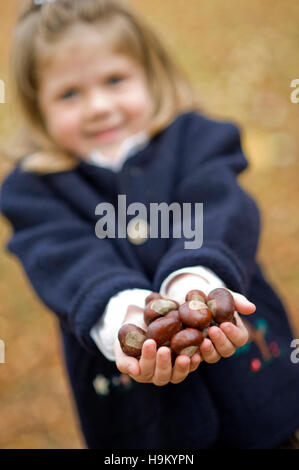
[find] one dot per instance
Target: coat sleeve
(72, 271)
(209, 166)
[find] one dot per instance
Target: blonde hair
(46, 24)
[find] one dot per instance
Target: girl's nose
(97, 103)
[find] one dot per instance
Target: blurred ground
(242, 57)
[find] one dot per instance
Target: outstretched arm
(209, 166)
(72, 271)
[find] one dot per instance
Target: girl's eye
(69, 94)
(115, 79)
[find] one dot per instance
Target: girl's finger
(181, 369)
(208, 352)
(243, 305)
(221, 343)
(147, 361)
(195, 360)
(163, 369)
(238, 334)
(124, 363)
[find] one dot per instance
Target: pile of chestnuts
(181, 327)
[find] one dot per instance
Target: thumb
(135, 315)
(124, 363)
(243, 305)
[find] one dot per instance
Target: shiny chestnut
(186, 341)
(221, 303)
(152, 296)
(195, 314)
(196, 295)
(162, 329)
(157, 308)
(131, 339)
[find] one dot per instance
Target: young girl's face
(91, 97)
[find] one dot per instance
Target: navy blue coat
(249, 400)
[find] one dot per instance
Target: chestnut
(221, 303)
(131, 338)
(162, 329)
(152, 296)
(195, 314)
(196, 295)
(157, 308)
(186, 341)
(173, 313)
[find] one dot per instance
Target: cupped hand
(224, 340)
(154, 366)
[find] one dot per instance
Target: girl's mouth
(107, 135)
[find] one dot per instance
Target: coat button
(137, 231)
(101, 385)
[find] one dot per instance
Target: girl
(107, 113)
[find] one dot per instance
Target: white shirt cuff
(105, 331)
(200, 278)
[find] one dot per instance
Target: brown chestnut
(158, 308)
(173, 313)
(131, 338)
(221, 303)
(152, 296)
(186, 341)
(162, 329)
(195, 314)
(196, 295)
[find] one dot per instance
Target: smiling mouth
(106, 135)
